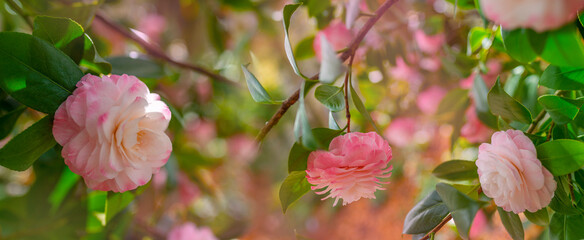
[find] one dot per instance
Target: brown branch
(347, 82)
(346, 54)
(437, 228)
(536, 121)
(156, 52)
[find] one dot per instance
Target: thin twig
(156, 52)
(536, 121)
(437, 228)
(346, 54)
(347, 82)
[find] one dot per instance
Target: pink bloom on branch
(474, 130)
(511, 174)
(540, 15)
(429, 44)
(112, 132)
(337, 34)
(429, 99)
(189, 231)
(352, 167)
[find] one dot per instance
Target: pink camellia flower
(540, 15)
(474, 130)
(429, 44)
(337, 34)
(352, 167)
(401, 131)
(112, 132)
(189, 231)
(511, 174)
(429, 99)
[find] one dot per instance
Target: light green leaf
(456, 170)
(564, 47)
(91, 59)
(330, 65)
(331, 122)
(361, 108)
(563, 78)
(517, 44)
(475, 39)
(65, 184)
(25, 148)
(65, 34)
(287, 14)
(561, 156)
(505, 106)
(512, 224)
(330, 96)
(561, 110)
(258, 93)
(301, 125)
(116, 202)
(304, 49)
(566, 227)
(293, 187)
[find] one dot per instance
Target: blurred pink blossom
(401, 131)
(511, 174)
(352, 167)
(493, 71)
(474, 130)
(242, 148)
(429, 99)
(540, 15)
(116, 40)
(112, 132)
(337, 34)
(200, 131)
(189, 231)
(479, 223)
(429, 44)
(153, 26)
(431, 64)
(187, 190)
(403, 72)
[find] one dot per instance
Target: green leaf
(91, 59)
(258, 93)
(65, 184)
(301, 125)
(562, 201)
(331, 122)
(566, 227)
(512, 224)
(475, 39)
(25, 148)
(139, 67)
(564, 47)
(304, 49)
(563, 78)
(330, 66)
(81, 12)
(65, 34)
(480, 92)
(315, 7)
(330, 96)
(541, 217)
(561, 156)
(35, 73)
(561, 110)
(505, 106)
(298, 157)
(462, 208)
(287, 14)
(293, 187)
(456, 170)
(517, 44)
(361, 108)
(8, 120)
(426, 215)
(116, 202)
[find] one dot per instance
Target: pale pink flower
(112, 132)
(242, 148)
(401, 131)
(429, 99)
(352, 167)
(431, 64)
(474, 130)
(200, 131)
(189, 231)
(429, 44)
(511, 174)
(403, 72)
(337, 34)
(153, 26)
(540, 15)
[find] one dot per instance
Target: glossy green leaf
(25, 148)
(540, 217)
(258, 93)
(475, 39)
(512, 224)
(562, 201)
(330, 65)
(116, 202)
(304, 49)
(564, 47)
(566, 227)
(293, 187)
(91, 59)
(298, 157)
(361, 108)
(462, 207)
(8, 120)
(139, 67)
(287, 14)
(561, 156)
(330, 96)
(35, 73)
(331, 122)
(65, 34)
(456, 170)
(563, 78)
(561, 110)
(505, 106)
(65, 184)
(301, 125)
(517, 44)
(426, 215)
(480, 92)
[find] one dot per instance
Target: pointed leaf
(361, 108)
(462, 207)
(258, 93)
(563, 78)
(330, 65)
(561, 156)
(293, 187)
(512, 224)
(426, 215)
(25, 148)
(566, 227)
(517, 44)
(287, 14)
(563, 47)
(64, 33)
(505, 106)
(561, 110)
(456, 170)
(540, 217)
(330, 96)
(331, 122)
(91, 59)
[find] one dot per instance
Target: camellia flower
(112, 132)
(352, 167)
(511, 174)
(540, 15)
(189, 231)
(474, 130)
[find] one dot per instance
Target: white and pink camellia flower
(511, 174)
(112, 132)
(189, 231)
(352, 168)
(540, 15)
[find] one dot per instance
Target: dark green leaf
(92, 61)
(116, 202)
(562, 201)
(512, 224)
(426, 215)
(561, 156)
(541, 217)
(287, 14)
(25, 148)
(361, 108)
(505, 106)
(330, 65)
(258, 93)
(480, 92)
(462, 207)
(566, 227)
(65, 34)
(561, 110)
(304, 49)
(330, 96)
(563, 78)
(293, 187)
(35, 73)
(456, 170)
(564, 47)
(8, 120)
(517, 44)
(298, 157)
(139, 67)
